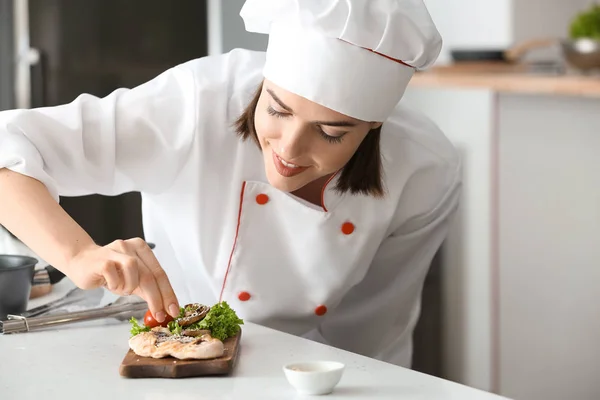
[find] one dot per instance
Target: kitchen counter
(82, 361)
(509, 79)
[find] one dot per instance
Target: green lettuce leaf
(221, 321)
(174, 328)
(136, 328)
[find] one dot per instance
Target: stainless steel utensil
(75, 295)
(583, 54)
(19, 323)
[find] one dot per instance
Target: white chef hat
(353, 56)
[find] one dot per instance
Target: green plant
(586, 24)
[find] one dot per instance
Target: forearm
(28, 210)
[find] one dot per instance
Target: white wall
(226, 28)
(472, 24)
(544, 18)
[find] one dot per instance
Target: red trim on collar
(323, 190)
(383, 55)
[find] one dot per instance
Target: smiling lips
(285, 168)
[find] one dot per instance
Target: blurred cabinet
(522, 264)
(549, 248)
(467, 259)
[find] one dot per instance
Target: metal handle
(25, 56)
(38, 75)
(73, 296)
(18, 323)
(516, 52)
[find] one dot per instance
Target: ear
(375, 125)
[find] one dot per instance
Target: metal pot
(583, 54)
(16, 277)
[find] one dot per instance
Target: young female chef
(290, 184)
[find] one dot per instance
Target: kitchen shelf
(511, 79)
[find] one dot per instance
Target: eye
(275, 113)
(330, 138)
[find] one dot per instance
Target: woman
(290, 184)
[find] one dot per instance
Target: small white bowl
(315, 377)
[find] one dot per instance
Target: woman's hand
(126, 267)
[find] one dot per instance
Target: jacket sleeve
(131, 140)
(376, 318)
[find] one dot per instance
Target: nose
(293, 143)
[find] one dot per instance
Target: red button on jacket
(244, 296)
(321, 310)
(347, 228)
(262, 199)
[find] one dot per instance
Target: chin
(285, 184)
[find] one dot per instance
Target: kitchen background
(511, 303)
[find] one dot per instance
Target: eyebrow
(327, 123)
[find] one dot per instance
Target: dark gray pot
(16, 277)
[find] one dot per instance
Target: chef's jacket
(348, 273)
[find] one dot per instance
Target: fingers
(128, 269)
(151, 293)
(141, 273)
(169, 299)
(111, 275)
(135, 277)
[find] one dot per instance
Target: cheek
(333, 156)
(266, 127)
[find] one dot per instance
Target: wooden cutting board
(134, 366)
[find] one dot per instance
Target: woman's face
(301, 140)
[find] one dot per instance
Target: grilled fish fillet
(160, 343)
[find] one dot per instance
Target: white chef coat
(348, 273)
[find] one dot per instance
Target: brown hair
(362, 174)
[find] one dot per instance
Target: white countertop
(81, 361)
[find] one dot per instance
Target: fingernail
(174, 310)
(160, 316)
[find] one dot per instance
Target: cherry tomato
(150, 322)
